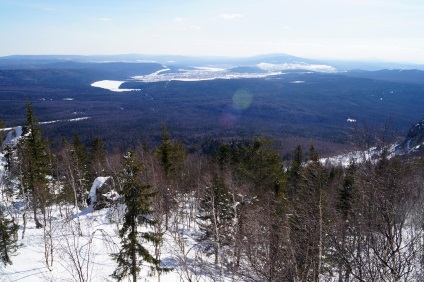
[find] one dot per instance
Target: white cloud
(192, 27)
(105, 19)
(230, 16)
(178, 20)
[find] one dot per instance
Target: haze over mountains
(285, 97)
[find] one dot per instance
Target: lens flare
(242, 99)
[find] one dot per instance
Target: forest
(195, 111)
(255, 216)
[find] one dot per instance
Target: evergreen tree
(35, 163)
(295, 173)
(8, 238)
(347, 193)
(259, 164)
(312, 154)
(83, 174)
(136, 197)
(97, 157)
(171, 154)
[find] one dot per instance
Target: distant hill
(397, 75)
(170, 60)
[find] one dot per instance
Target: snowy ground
(87, 248)
(82, 242)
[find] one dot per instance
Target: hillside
(236, 216)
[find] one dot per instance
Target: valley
(291, 100)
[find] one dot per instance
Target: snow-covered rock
(102, 193)
(13, 135)
(414, 140)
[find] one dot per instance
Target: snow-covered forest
(79, 213)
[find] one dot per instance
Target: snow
(112, 85)
(62, 120)
(351, 120)
(83, 240)
(13, 135)
(200, 74)
(91, 236)
(203, 73)
(372, 154)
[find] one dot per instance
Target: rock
(102, 193)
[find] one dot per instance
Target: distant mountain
(36, 61)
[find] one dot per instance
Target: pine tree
(35, 163)
(8, 238)
(136, 197)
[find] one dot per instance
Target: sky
(389, 30)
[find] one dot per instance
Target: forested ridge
(251, 216)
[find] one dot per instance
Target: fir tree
(8, 238)
(136, 197)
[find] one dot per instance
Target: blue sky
(340, 29)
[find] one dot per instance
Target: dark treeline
(259, 218)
